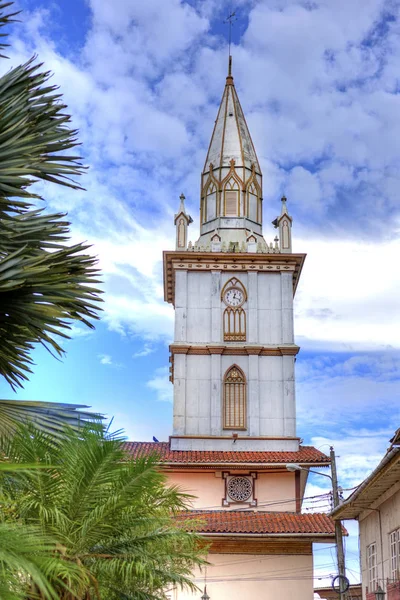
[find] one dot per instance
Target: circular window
(240, 488)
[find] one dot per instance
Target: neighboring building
(327, 593)
(232, 368)
(376, 506)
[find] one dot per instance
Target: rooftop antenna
(230, 20)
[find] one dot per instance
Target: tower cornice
(230, 262)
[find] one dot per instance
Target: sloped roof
(386, 474)
(307, 455)
(259, 522)
(231, 138)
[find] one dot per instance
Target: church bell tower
(233, 355)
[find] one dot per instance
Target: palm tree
(27, 559)
(113, 519)
(45, 284)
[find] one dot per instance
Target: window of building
(394, 551)
(181, 234)
(210, 203)
(234, 399)
(234, 324)
(252, 202)
(372, 567)
(231, 197)
(234, 320)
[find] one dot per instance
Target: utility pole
(338, 528)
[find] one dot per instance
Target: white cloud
(144, 98)
(348, 295)
(146, 350)
(106, 359)
(161, 385)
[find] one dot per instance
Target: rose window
(240, 489)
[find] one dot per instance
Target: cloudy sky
(319, 83)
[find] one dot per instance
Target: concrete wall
(198, 378)
(209, 490)
(375, 527)
(199, 309)
(198, 394)
(253, 577)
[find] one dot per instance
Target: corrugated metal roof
(386, 474)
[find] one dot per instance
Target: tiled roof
(274, 523)
(305, 455)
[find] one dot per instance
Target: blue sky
(319, 83)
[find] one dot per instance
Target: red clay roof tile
(305, 455)
(274, 523)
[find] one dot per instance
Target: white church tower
(233, 353)
(234, 437)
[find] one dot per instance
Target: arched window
(252, 202)
(234, 296)
(235, 399)
(234, 324)
(285, 235)
(231, 198)
(181, 234)
(210, 203)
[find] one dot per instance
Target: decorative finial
(284, 207)
(182, 198)
(230, 20)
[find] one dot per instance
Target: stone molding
(230, 262)
(205, 350)
(291, 350)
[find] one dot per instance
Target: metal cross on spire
(230, 20)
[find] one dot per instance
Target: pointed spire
(182, 221)
(231, 181)
(284, 223)
(231, 138)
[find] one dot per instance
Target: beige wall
(375, 527)
(254, 577)
(209, 489)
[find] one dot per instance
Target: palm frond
(112, 515)
(45, 284)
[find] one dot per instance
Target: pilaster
(216, 392)
(252, 303)
(254, 394)
(179, 394)
(216, 328)
(181, 306)
(289, 399)
(287, 308)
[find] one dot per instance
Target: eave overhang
(369, 492)
(227, 261)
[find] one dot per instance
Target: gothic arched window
(210, 203)
(252, 202)
(181, 234)
(234, 410)
(234, 324)
(231, 198)
(234, 296)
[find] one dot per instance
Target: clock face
(234, 297)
